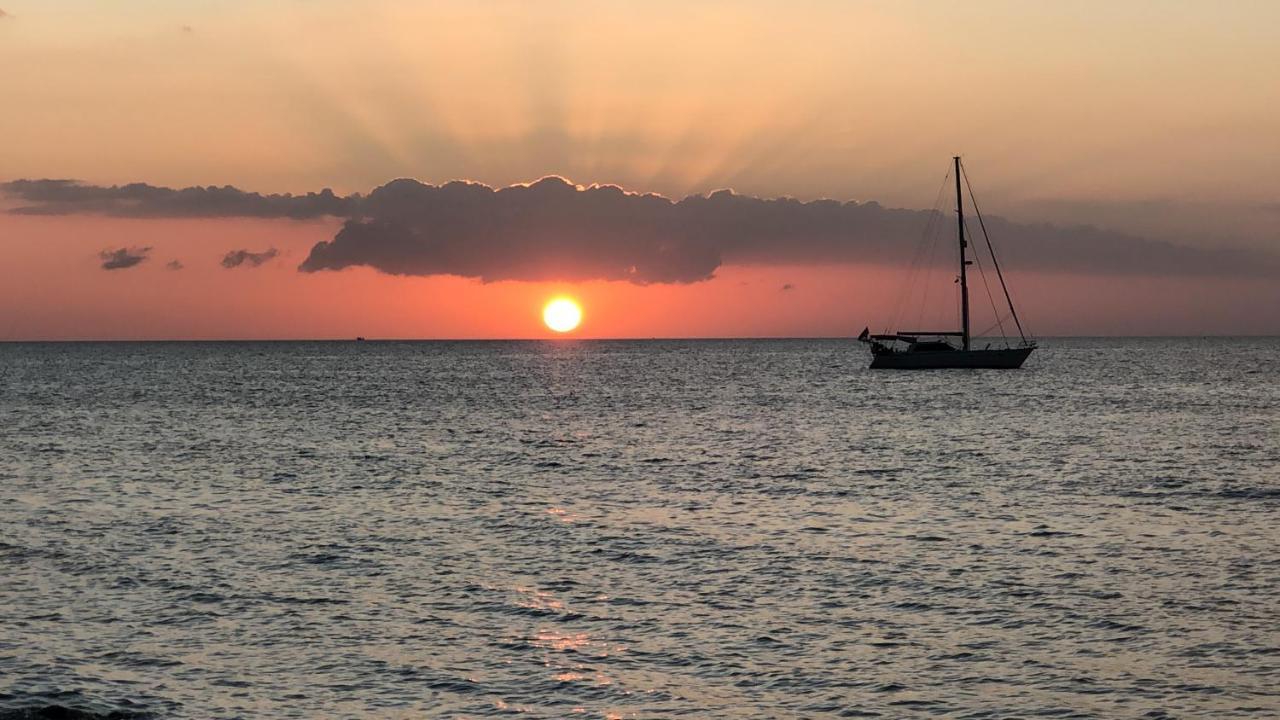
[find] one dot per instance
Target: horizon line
(694, 338)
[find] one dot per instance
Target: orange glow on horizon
(66, 295)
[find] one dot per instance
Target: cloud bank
(122, 258)
(236, 258)
(554, 230)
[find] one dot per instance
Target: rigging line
(988, 329)
(905, 288)
(977, 259)
(933, 249)
(930, 227)
(925, 238)
(904, 291)
(928, 275)
(1013, 312)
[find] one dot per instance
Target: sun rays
(536, 91)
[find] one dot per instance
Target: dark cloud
(174, 265)
(1191, 222)
(554, 230)
(68, 197)
(548, 230)
(236, 258)
(122, 258)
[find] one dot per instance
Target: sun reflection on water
(535, 599)
(561, 514)
(555, 640)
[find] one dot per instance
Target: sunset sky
(1156, 123)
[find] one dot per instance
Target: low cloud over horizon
(554, 230)
(236, 258)
(122, 258)
(140, 200)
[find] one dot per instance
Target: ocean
(653, 529)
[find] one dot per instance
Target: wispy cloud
(236, 258)
(122, 258)
(174, 265)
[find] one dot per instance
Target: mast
(964, 278)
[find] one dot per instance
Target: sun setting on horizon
(562, 314)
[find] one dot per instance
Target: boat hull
(998, 359)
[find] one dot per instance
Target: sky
(703, 169)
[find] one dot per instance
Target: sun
(562, 314)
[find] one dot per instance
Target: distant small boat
(934, 349)
(359, 338)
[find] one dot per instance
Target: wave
(62, 712)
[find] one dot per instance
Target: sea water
(667, 529)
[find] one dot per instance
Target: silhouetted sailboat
(934, 349)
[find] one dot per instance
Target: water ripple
(637, 530)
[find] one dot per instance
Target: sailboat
(937, 349)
